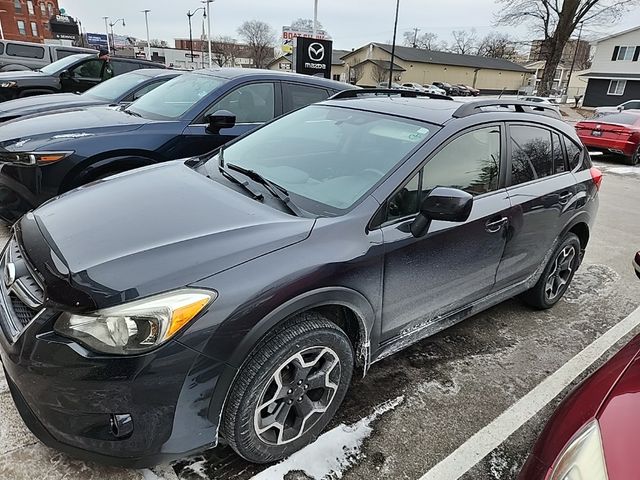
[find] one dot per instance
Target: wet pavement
(442, 390)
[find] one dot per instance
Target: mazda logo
(316, 52)
(9, 274)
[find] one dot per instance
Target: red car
(617, 133)
(595, 432)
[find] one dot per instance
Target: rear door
(252, 103)
(542, 192)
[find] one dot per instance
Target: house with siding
(614, 76)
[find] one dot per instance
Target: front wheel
(557, 275)
(635, 158)
(288, 389)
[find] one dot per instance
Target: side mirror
(220, 119)
(66, 74)
(620, 108)
(444, 204)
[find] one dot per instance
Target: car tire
(556, 276)
(303, 366)
(634, 159)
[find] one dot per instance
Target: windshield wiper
(254, 194)
(273, 188)
(129, 112)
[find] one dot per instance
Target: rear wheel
(557, 275)
(288, 389)
(635, 158)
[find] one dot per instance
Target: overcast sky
(351, 23)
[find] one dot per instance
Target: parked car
(447, 87)
(617, 133)
(45, 156)
(464, 91)
(120, 90)
(595, 430)
(628, 105)
(75, 73)
(414, 86)
(472, 91)
(150, 314)
(433, 89)
(542, 100)
(394, 85)
(32, 56)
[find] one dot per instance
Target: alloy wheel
(297, 395)
(635, 159)
(560, 274)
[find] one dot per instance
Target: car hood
(147, 231)
(42, 103)
(33, 132)
(20, 74)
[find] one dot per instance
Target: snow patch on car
(333, 452)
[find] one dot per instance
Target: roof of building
(607, 76)
(420, 55)
(336, 56)
(613, 35)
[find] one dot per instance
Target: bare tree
(556, 21)
(427, 41)
(379, 74)
(260, 39)
(497, 45)
(155, 42)
(225, 50)
(304, 25)
(464, 42)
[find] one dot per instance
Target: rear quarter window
(1, 48)
(25, 51)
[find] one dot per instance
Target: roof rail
(362, 92)
(473, 107)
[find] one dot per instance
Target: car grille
(21, 291)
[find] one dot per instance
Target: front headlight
(138, 326)
(9, 84)
(582, 458)
(33, 158)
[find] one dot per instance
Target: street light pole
(393, 47)
(315, 18)
(146, 21)
(106, 29)
(113, 38)
(189, 15)
(208, 13)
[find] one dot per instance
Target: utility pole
(393, 47)
(146, 21)
(415, 37)
(208, 13)
(189, 15)
(113, 38)
(106, 29)
(573, 62)
(315, 18)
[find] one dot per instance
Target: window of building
(34, 29)
(336, 76)
(46, 26)
(616, 87)
(30, 7)
(531, 154)
(18, 6)
(626, 53)
(50, 9)
(21, 27)
(470, 162)
(43, 9)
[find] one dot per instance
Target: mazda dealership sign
(312, 56)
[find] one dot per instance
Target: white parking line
(467, 455)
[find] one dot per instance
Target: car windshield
(173, 99)
(328, 157)
(112, 90)
(62, 64)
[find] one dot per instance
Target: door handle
(564, 197)
(494, 226)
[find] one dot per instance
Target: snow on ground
(333, 452)
(623, 170)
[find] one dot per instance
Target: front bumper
(69, 397)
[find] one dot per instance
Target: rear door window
(25, 51)
(574, 154)
(559, 164)
(531, 153)
(297, 96)
(120, 67)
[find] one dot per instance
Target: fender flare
(32, 92)
(90, 168)
(342, 296)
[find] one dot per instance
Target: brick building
(27, 20)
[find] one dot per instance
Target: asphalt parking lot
(417, 407)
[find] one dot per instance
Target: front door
(83, 76)
(454, 264)
(253, 104)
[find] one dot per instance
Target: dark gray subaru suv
(156, 313)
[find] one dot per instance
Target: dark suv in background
(150, 314)
(74, 73)
(189, 115)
